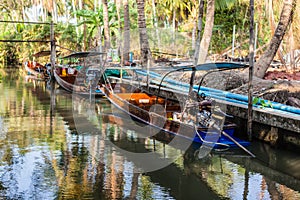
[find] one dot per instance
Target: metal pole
(53, 51)
(251, 66)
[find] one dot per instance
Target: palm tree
(207, 34)
(94, 20)
(199, 29)
(169, 10)
(106, 25)
(144, 43)
(285, 20)
(126, 45)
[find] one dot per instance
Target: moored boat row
(36, 70)
(82, 77)
(196, 119)
(180, 114)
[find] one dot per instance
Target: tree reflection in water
(44, 156)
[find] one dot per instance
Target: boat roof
(212, 66)
(200, 67)
(83, 54)
(222, 65)
(43, 53)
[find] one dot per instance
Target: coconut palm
(144, 43)
(208, 28)
(126, 45)
(172, 10)
(95, 21)
(286, 18)
(106, 25)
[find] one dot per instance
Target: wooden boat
(184, 115)
(83, 80)
(35, 70)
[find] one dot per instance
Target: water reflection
(43, 155)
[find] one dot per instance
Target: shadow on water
(58, 146)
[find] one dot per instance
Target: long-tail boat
(80, 78)
(37, 70)
(187, 115)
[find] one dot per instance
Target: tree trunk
(154, 14)
(199, 29)
(106, 25)
(144, 43)
(174, 19)
(284, 21)
(291, 64)
(207, 34)
(134, 186)
(75, 17)
(119, 39)
(126, 45)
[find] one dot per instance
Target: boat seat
(140, 98)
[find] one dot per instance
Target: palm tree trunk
(119, 40)
(134, 186)
(199, 29)
(144, 43)
(207, 34)
(106, 25)
(285, 20)
(74, 10)
(174, 18)
(273, 27)
(126, 45)
(154, 14)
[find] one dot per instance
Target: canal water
(55, 145)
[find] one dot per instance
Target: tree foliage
(83, 24)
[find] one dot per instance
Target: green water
(55, 145)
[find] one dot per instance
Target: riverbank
(273, 87)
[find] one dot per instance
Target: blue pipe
(215, 93)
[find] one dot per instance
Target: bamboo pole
(238, 144)
(25, 41)
(255, 41)
(233, 42)
(251, 66)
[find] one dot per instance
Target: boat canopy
(84, 54)
(206, 67)
(43, 53)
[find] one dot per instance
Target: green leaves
(262, 102)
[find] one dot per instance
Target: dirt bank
(280, 87)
